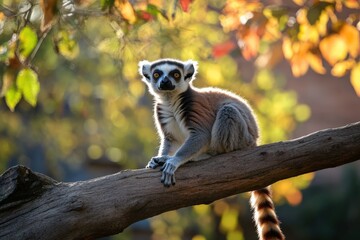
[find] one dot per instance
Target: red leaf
(145, 16)
(223, 49)
(185, 5)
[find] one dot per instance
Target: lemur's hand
(168, 171)
(157, 161)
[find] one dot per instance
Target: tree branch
(32, 206)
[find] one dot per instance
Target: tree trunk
(33, 206)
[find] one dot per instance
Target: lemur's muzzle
(166, 84)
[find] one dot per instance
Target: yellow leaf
(287, 48)
(315, 63)
(299, 2)
(321, 24)
(333, 48)
(340, 68)
(308, 33)
(299, 65)
(301, 16)
(351, 36)
(352, 4)
(355, 78)
(126, 10)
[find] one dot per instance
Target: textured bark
(33, 206)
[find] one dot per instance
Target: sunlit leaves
(290, 189)
(249, 43)
(315, 62)
(355, 78)
(66, 45)
(340, 68)
(352, 4)
(222, 49)
(351, 37)
(9, 90)
(316, 31)
(333, 48)
(12, 97)
(27, 83)
(185, 4)
(27, 42)
(126, 10)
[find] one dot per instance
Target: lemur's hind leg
(230, 131)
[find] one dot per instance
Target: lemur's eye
(176, 75)
(156, 75)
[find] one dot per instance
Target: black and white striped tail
(265, 217)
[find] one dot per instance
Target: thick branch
(107, 205)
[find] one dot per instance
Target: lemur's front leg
(195, 145)
(162, 156)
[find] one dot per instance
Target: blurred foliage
(304, 32)
(69, 77)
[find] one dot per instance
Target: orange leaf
(340, 68)
(333, 48)
(315, 63)
(352, 4)
(250, 44)
(351, 36)
(185, 5)
(126, 10)
(50, 9)
(355, 78)
(299, 65)
(222, 49)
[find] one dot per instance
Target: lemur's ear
(144, 70)
(190, 70)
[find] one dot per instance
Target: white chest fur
(172, 122)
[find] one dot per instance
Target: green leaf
(67, 46)
(315, 11)
(12, 97)
(105, 4)
(152, 9)
(27, 40)
(28, 84)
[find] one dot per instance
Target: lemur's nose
(166, 84)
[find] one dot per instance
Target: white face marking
(173, 73)
(166, 70)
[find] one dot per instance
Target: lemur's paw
(168, 174)
(157, 161)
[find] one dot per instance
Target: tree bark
(33, 206)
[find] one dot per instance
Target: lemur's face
(167, 75)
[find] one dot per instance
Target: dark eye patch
(176, 74)
(157, 73)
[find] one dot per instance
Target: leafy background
(73, 106)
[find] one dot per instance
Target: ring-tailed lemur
(197, 123)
